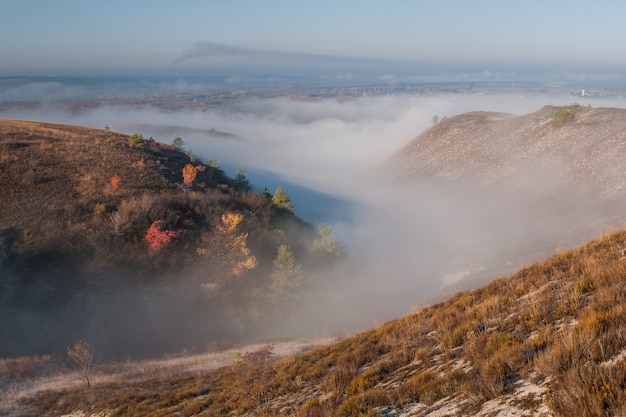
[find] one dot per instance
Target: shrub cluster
(566, 113)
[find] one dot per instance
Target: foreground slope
(548, 340)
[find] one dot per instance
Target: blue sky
(100, 37)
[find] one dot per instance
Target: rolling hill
(571, 146)
(135, 245)
(540, 182)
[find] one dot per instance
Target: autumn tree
(82, 353)
(189, 174)
(226, 247)
(99, 210)
(158, 238)
(115, 181)
(281, 200)
(287, 273)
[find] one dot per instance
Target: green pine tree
(281, 200)
(241, 181)
(135, 140)
(287, 275)
(178, 143)
(213, 168)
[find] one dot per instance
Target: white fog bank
(408, 240)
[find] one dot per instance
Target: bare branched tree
(82, 353)
(118, 222)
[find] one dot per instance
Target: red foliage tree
(259, 356)
(115, 181)
(158, 238)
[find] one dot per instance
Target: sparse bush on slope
(566, 113)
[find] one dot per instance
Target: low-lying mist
(408, 242)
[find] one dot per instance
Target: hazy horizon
(326, 40)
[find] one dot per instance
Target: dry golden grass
(48, 161)
(48, 377)
(476, 346)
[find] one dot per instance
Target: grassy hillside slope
(535, 183)
(570, 146)
(548, 340)
(101, 238)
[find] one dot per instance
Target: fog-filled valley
(312, 209)
(408, 241)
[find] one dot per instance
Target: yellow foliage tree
(227, 248)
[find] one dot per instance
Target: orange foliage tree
(189, 174)
(115, 181)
